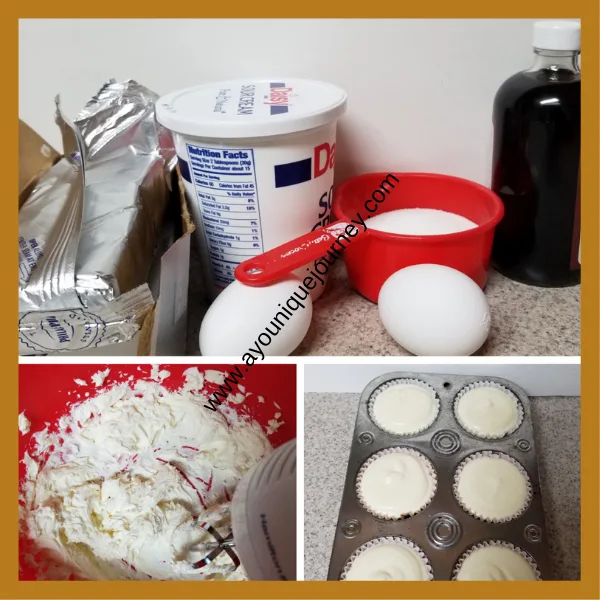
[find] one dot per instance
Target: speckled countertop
(328, 426)
(526, 321)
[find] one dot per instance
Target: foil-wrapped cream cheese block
(88, 231)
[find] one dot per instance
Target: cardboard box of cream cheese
(162, 330)
(460, 491)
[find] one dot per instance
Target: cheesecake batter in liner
(389, 540)
(398, 383)
(487, 544)
(473, 512)
(488, 384)
(427, 467)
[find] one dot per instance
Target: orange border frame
(589, 586)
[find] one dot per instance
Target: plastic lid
(251, 108)
(557, 35)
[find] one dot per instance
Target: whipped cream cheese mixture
(24, 424)
(113, 491)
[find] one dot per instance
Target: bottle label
(576, 245)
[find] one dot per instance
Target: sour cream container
(257, 160)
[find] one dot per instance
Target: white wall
(420, 91)
(535, 379)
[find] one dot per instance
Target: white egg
(431, 310)
(319, 288)
(258, 321)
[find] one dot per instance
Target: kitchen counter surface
(329, 423)
(526, 321)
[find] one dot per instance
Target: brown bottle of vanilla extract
(537, 115)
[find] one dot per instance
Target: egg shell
(432, 310)
(241, 313)
(318, 290)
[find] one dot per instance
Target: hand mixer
(263, 521)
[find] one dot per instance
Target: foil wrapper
(88, 231)
(128, 160)
(50, 332)
(49, 228)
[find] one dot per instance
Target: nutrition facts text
(225, 184)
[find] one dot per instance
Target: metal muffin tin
(443, 530)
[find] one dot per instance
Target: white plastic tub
(257, 160)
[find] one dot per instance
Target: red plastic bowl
(372, 258)
(44, 396)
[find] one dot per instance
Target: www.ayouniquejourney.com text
(310, 282)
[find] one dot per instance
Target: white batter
(495, 563)
(388, 562)
(404, 409)
(24, 424)
(420, 221)
(488, 412)
(397, 484)
(493, 488)
(117, 499)
(99, 377)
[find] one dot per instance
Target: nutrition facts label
(225, 184)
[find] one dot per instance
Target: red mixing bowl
(372, 259)
(44, 396)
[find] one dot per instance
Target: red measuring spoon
(272, 265)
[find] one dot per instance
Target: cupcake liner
(506, 457)
(399, 382)
(492, 543)
(400, 450)
(403, 541)
(488, 384)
